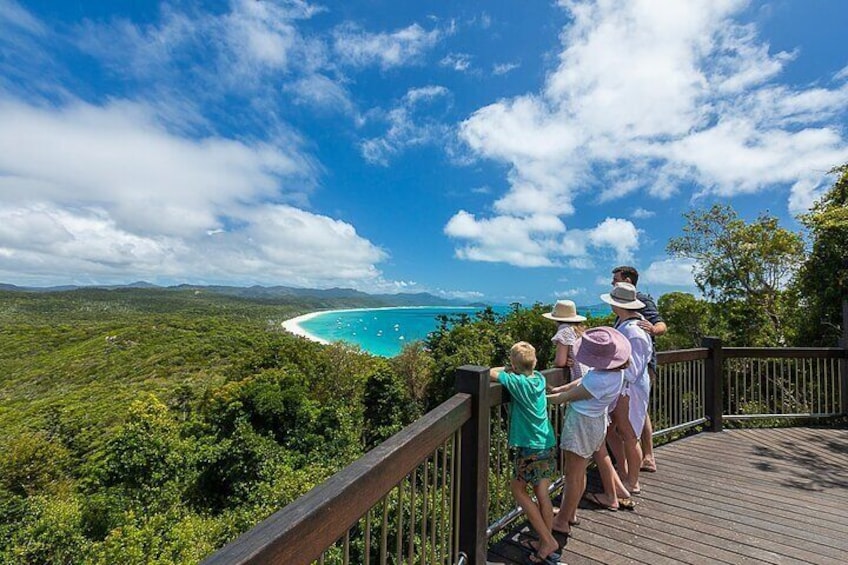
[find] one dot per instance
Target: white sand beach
(293, 326)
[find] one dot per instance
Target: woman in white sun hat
(569, 329)
(630, 411)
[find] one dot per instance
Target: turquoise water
(384, 331)
(380, 331)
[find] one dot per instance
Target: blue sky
(495, 151)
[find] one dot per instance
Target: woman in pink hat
(607, 352)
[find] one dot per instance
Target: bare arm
(570, 393)
(561, 359)
(494, 372)
(653, 329)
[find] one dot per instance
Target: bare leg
(536, 515)
(620, 421)
(632, 450)
(613, 487)
(575, 485)
(648, 462)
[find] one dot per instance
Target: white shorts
(581, 434)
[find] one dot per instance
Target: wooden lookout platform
(738, 496)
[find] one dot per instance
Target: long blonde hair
(579, 327)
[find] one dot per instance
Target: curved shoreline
(292, 325)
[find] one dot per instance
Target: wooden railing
(333, 522)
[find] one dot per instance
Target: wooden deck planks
(775, 496)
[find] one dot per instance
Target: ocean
(384, 331)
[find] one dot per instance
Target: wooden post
(474, 465)
(714, 383)
(843, 363)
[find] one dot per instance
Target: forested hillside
(143, 426)
(152, 426)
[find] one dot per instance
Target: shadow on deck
(748, 495)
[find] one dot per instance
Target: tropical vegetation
(152, 426)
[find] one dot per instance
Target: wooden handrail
(301, 532)
(681, 355)
(784, 352)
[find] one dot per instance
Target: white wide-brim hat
(564, 311)
(602, 348)
(623, 295)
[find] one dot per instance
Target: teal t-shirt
(529, 423)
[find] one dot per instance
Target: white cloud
(570, 292)
(13, 16)
(523, 242)
(460, 62)
(619, 235)
(404, 46)
(468, 295)
(654, 96)
(320, 91)
(408, 126)
(642, 214)
(504, 68)
(538, 241)
(670, 272)
(425, 93)
(109, 192)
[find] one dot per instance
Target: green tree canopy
(822, 281)
(745, 267)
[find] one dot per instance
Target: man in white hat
(631, 410)
(655, 326)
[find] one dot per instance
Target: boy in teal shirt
(532, 438)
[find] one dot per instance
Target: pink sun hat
(602, 348)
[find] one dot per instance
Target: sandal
(627, 504)
(592, 499)
(551, 559)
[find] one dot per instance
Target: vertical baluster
(346, 548)
(690, 390)
(368, 537)
(679, 392)
(443, 542)
(834, 381)
(498, 475)
(434, 505)
(424, 510)
(399, 534)
(456, 495)
(413, 488)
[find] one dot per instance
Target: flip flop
(593, 499)
(626, 504)
(561, 538)
(551, 559)
(528, 543)
(648, 467)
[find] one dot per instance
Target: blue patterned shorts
(535, 465)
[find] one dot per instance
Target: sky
(492, 151)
